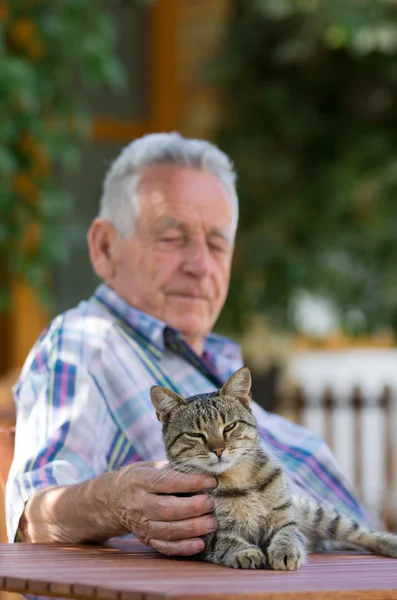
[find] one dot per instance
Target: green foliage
(311, 123)
(50, 52)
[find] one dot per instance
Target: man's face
(176, 266)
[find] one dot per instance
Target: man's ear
(239, 386)
(164, 402)
(102, 244)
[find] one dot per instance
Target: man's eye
(217, 246)
(197, 435)
(229, 427)
(172, 239)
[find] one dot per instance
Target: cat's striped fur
(259, 522)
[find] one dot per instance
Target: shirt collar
(216, 346)
(149, 327)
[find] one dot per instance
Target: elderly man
(87, 435)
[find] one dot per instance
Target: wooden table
(129, 571)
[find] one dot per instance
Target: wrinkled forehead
(185, 198)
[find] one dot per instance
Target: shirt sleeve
(62, 435)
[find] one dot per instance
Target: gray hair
(118, 202)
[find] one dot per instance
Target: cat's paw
(386, 545)
(249, 558)
(285, 556)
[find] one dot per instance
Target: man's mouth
(190, 295)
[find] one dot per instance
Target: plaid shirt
(83, 404)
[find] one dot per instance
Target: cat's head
(208, 432)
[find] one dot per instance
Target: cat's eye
(229, 427)
(197, 435)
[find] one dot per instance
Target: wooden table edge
(85, 592)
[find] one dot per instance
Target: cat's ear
(164, 401)
(239, 385)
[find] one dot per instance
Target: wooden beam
(165, 96)
(28, 318)
(117, 130)
(165, 90)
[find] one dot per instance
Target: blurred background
(302, 94)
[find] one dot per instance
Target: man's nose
(198, 259)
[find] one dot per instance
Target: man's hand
(137, 499)
(145, 505)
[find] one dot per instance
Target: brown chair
(7, 432)
(7, 404)
(6, 454)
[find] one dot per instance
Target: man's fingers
(171, 508)
(179, 530)
(179, 548)
(170, 482)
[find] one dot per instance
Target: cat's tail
(318, 522)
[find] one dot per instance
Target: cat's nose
(218, 451)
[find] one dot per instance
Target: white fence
(350, 398)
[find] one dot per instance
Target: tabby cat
(260, 523)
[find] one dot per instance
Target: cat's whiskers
(182, 462)
(176, 463)
(249, 459)
(188, 469)
(262, 455)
